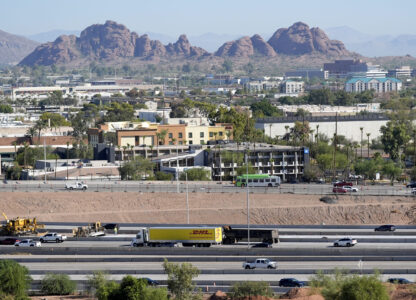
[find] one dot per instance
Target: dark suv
(262, 245)
(399, 280)
(385, 228)
(291, 282)
(411, 185)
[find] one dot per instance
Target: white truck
(76, 186)
(53, 237)
(261, 263)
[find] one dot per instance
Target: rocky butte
(111, 41)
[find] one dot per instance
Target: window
(190, 142)
(190, 135)
(220, 133)
(201, 142)
(250, 180)
(180, 142)
(211, 134)
(170, 143)
(201, 134)
(170, 135)
(273, 180)
(180, 135)
(255, 180)
(267, 180)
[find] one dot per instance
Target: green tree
(14, 279)
(56, 120)
(227, 66)
(321, 97)
(246, 289)
(392, 170)
(243, 169)
(264, 108)
(136, 169)
(196, 174)
(394, 136)
(163, 176)
(363, 288)
(180, 278)
(133, 93)
(117, 112)
(58, 284)
(6, 109)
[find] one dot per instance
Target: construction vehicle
(199, 236)
(234, 235)
(20, 226)
(93, 229)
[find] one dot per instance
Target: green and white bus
(257, 180)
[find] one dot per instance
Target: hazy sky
(193, 17)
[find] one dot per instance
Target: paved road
(206, 187)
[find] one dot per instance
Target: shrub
(163, 176)
(250, 288)
(341, 286)
(196, 174)
(180, 280)
(96, 281)
(57, 284)
(14, 279)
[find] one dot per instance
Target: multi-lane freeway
(302, 251)
(206, 187)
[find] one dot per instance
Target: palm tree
(31, 132)
(124, 152)
(128, 148)
(368, 145)
(15, 149)
(132, 151)
(228, 134)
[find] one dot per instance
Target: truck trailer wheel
(247, 267)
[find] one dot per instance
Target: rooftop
(366, 80)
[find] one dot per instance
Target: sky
(194, 17)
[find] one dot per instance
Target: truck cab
(141, 238)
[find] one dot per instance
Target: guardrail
(117, 186)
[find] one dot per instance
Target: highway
(205, 187)
(302, 252)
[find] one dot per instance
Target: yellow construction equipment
(20, 226)
(93, 229)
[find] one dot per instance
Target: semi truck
(198, 236)
(234, 235)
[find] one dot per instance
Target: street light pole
(248, 204)
(187, 198)
(44, 157)
(177, 169)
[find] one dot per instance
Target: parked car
(53, 237)
(150, 281)
(350, 188)
(413, 191)
(111, 226)
(76, 186)
(342, 183)
(339, 190)
(291, 282)
(28, 243)
(262, 245)
(411, 185)
(9, 241)
(385, 228)
(261, 263)
(399, 280)
(345, 242)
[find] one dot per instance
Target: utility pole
(361, 128)
(44, 156)
(248, 203)
(335, 143)
(67, 159)
(187, 198)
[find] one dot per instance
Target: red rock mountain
(111, 41)
(245, 47)
(299, 39)
(108, 41)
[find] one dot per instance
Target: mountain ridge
(111, 41)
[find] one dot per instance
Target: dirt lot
(206, 208)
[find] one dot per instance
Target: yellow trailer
(199, 236)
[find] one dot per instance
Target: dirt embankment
(226, 208)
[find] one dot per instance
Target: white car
(27, 243)
(345, 242)
(261, 263)
(53, 237)
(350, 188)
(76, 186)
(413, 191)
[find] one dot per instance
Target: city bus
(257, 180)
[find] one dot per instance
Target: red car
(9, 241)
(342, 183)
(339, 190)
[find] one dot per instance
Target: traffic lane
(220, 266)
(231, 278)
(282, 245)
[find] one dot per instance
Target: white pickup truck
(53, 237)
(76, 186)
(261, 263)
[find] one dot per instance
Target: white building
(292, 87)
(379, 85)
(348, 126)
